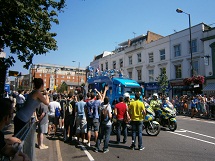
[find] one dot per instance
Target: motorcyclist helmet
(155, 95)
(126, 95)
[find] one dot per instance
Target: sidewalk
(57, 151)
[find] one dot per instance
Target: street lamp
(191, 53)
(78, 70)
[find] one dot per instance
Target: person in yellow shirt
(137, 112)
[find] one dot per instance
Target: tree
(162, 80)
(25, 27)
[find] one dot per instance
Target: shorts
(62, 114)
(43, 128)
(92, 124)
(53, 120)
(81, 125)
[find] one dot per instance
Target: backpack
(104, 114)
(69, 107)
(57, 112)
(90, 108)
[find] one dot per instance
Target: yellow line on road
(59, 157)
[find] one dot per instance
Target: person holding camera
(34, 99)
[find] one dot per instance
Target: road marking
(59, 156)
(198, 134)
(196, 119)
(181, 130)
(192, 138)
(86, 152)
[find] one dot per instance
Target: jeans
(104, 133)
(137, 127)
(121, 124)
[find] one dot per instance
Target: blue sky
(89, 27)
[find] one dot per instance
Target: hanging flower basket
(194, 80)
(198, 79)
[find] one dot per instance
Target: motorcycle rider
(127, 98)
(155, 103)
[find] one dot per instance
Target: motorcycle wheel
(153, 129)
(172, 126)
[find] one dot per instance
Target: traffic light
(13, 73)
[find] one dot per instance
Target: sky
(89, 27)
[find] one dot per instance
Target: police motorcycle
(151, 126)
(167, 115)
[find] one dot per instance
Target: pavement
(57, 149)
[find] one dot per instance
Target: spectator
(81, 122)
(120, 111)
(137, 112)
(105, 126)
(69, 118)
(20, 100)
(92, 108)
(6, 113)
(54, 115)
(42, 117)
(34, 99)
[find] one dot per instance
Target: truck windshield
(132, 90)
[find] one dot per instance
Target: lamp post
(78, 70)
(191, 53)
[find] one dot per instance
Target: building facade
(54, 75)
(143, 58)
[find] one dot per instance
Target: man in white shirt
(54, 115)
(20, 100)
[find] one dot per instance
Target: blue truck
(117, 86)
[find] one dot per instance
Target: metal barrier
(27, 136)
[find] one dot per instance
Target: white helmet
(126, 95)
(155, 94)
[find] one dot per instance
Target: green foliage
(26, 26)
(162, 80)
(62, 88)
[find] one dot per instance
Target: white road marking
(192, 138)
(59, 156)
(196, 119)
(181, 130)
(86, 152)
(198, 134)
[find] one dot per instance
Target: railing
(27, 136)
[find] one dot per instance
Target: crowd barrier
(27, 136)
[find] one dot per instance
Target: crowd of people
(78, 117)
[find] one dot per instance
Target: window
(114, 64)
(162, 54)
(139, 57)
(130, 60)
(106, 65)
(178, 73)
(151, 75)
(120, 63)
(194, 45)
(44, 75)
(102, 68)
(62, 76)
(151, 58)
(139, 75)
(195, 67)
(177, 50)
(130, 75)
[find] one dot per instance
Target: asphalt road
(194, 140)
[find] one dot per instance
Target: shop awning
(209, 87)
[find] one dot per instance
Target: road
(194, 140)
